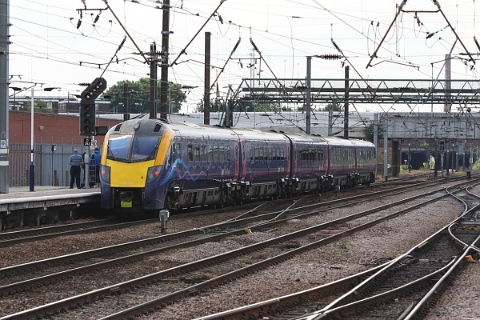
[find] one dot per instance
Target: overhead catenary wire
(193, 38)
(126, 31)
(118, 49)
(229, 58)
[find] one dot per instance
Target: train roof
(185, 129)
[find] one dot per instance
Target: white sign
(93, 145)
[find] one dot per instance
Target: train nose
(126, 196)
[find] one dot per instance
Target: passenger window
(190, 152)
(221, 153)
(197, 153)
(210, 154)
(203, 154)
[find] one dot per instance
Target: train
(152, 164)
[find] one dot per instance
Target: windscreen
(129, 149)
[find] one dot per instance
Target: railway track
(404, 288)
(43, 233)
(14, 277)
(296, 242)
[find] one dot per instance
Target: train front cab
(132, 162)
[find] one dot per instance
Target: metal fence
(51, 164)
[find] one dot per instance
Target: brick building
(50, 128)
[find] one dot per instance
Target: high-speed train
(150, 164)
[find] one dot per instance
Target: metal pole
(435, 171)
(4, 101)
(453, 159)
(86, 162)
(126, 102)
(32, 141)
(330, 120)
(153, 81)
(441, 162)
(347, 86)
(447, 159)
(206, 92)
(309, 94)
(165, 64)
(385, 149)
(409, 159)
(375, 139)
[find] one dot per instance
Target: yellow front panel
(164, 147)
(128, 175)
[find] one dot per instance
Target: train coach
(149, 164)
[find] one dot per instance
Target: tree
(369, 132)
(336, 107)
(140, 96)
(215, 106)
(39, 106)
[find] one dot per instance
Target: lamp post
(54, 147)
(32, 140)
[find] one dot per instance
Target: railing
(51, 166)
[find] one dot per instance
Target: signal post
(87, 119)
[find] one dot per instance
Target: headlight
(105, 173)
(153, 173)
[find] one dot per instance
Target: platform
(42, 191)
(20, 206)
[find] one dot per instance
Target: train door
(243, 159)
(210, 163)
(330, 159)
(203, 159)
(288, 157)
(356, 157)
(293, 158)
(236, 159)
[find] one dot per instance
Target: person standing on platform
(82, 185)
(75, 162)
(95, 165)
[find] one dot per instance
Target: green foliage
(39, 106)
(214, 106)
(369, 132)
(140, 97)
(424, 144)
(476, 165)
(336, 107)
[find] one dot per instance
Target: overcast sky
(47, 47)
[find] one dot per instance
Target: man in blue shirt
(75, 162)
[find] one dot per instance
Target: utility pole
(347, 86)
(206, 95)
(164, 75)
(435, 171)
(126, 102)
(153, 81)
(309, 94)
(4, 106)
(385, 148)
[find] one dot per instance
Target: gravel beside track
(335, 261)
(351, 255)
